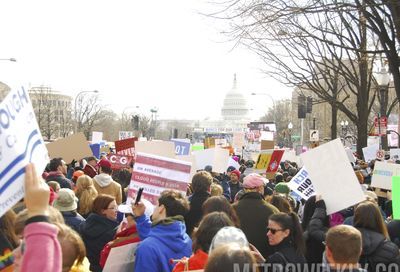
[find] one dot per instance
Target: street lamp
(154, 120)
(10, 59)
(273, 102)
(75, 111)
(344, 125)
(382, 78)
(290, 127)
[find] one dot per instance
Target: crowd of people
(74, 215)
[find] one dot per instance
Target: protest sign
(370, 152)
(197, 147)
(160, 148)
(396, 197)
(216, 157)
(238, 140)
(263, 159)
(74, 147)
(332, 176)
(275, 160)
(125, 135)
(192, 160)
(121, 258)
(126, 146)
(156, 174)
(291, 156)
(350, 155)
(233, 163)
(119, 161)
(97, 137)
(181, 147)
(95, 150)
(395, 154)
(220, 143)
(383, 173)
(267, 144)
(209, 143)
(21, 143)
(301, 184)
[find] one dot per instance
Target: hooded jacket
(166, 240)
(104, 184)
(96, 232)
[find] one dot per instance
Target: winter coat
(284, 254)
(394, 231)
(193, 217)
(104, 184)
(97, 231)
(377, 250)
(253, 212)
(161, 242)
(60, 179)
(73, 219)
(235, 188)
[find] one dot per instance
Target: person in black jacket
(58, 170)
(201, 183)
(99, 228)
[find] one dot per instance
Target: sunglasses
(273, 231)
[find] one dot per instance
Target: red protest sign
(275, 160)
(119, 161)
(126, 146)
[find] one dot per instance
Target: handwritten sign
(301, 184)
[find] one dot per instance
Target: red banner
(126, 146)
(275, 160)
(119, 161)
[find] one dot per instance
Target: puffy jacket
(96, 232)
(161, 242)
(378, 250)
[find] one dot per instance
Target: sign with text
(121, 258)
(314, 135)
(383, 173)
(21, 143)
(275, 160)
(333, 176)
(216, 157)
(74, 147)
(181, 147)
(126, 135)
(126, 146)
(380, 125)
(119, 161)
(265, 145)
(301, 184)
(156, 174)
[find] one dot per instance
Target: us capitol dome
(235, 105)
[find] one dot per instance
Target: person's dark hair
(367, 215)
(101, 202)
(201, 181)
(123, 177)
(278, 178)
(230, 257)
(208, 227)
(291, 222)
(55, 163)
(309, 209)
(174, 202)
(106, 170)
(7, 227)
(88, 159)
(220, 204)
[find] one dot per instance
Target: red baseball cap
(104, 163)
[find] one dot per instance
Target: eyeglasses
(273, 231)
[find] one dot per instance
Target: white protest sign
(160, 148)
(382, 175)
(395, 154)
(232, 162)
(97, 137)
(332, 176)
(238, 140)
(220, 142)
(370, 152)
(301, 184)
(125, 135)
(156, 174)
(20, 143)
(291, 156)
(216, 157)
(121, 258)
(350, 155)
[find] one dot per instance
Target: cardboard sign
(21, 143)
(209, 143)
(126, 135)
(332, 176)
(74, 147)
(126, 146)
(121, 258)
(301, 184)
(97, 137)
(383, 173)
(119, 161)
(159, 148)
(156, 174)
(265, 145)
(396, 197)
(216, 157)
(181, 147)
(370, 152)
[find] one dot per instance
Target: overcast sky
(135, 53)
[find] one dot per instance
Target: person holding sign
(165, 238)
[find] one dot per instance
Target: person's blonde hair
(216, 190)
(86, 193)
(72, 246)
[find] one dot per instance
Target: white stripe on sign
(149, 189)
(161, 172)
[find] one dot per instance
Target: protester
(216, 190)
(58, 170)
(86, 194)
(90, 167)
(221, 204)
(8, 241)
(280, 202)
(201, 183)
(66, 203)
(343, 249)
(104, 183)
(76, 175)
(253, 212)
(234, 184)
(54, 185)
(202, 237)
(99, 228)
(166, 237)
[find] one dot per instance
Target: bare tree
(88, 112)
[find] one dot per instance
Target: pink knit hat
(253, 181)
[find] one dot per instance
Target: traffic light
(175, 133)
(301, 107)
(309, 104)
(135, 122)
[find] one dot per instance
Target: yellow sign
(263, 160)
